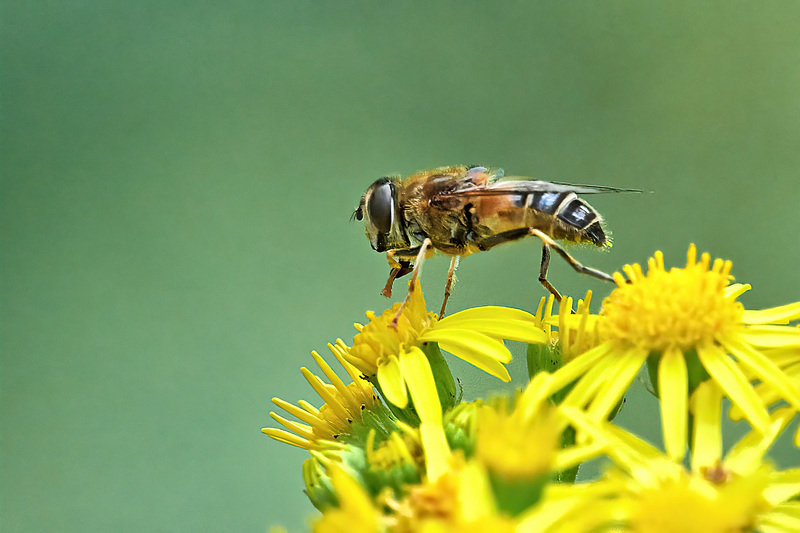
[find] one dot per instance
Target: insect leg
(394, 273)
(543, 273)
(450, 278)
(399, 268)
(414, 275)
(574, 263)
(512, 235)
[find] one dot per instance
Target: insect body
(460, 210)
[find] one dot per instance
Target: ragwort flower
(348, 412)
(379, 350)
(687, 324)
(389, 351)
(648, 492)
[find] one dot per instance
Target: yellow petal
(706, 407)
(468, 340)
(645, 450)
(325, 393)
(335, 380)
(513, 330)
(479, 359)
(602, 433)
(673, 390)
(300, 429)
(490, 312)
(628, 367)
(747, 455)
(771, 336)
(575, 455)
(784, 486)
(437, 452)
(734, 383)
(774, 315)
(390, 378)
(476, 498)
(354, 501)
(309, 418)
(768, 372)
(421, 385)
(580, 366)
(785, 518)
(735, 290)
(287, 438)
(592, 381)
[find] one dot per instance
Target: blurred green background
(177, 179)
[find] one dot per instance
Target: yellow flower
(473, 335)
(515, 446)
(788, 360)
(688, 323)
(389, 350)
(577, 332)
(459, 501)
(344, 408)
(650, 493)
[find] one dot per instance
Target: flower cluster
(395, 448)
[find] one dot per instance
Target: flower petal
(287, 437)
(437, 452)
(627, 368)
(587, 386)
(747, 455)
(771, 336)
(390, 378)
(673, 390)
(706, 405)
(580, 366)
(774, 315)
(784, 486)
(479, 359)
(302, 430)
(768, 372)
(731, 379)
(735, 290)
(468, 340)
(489, 312)
(513, 330)
(421, 385)
(305, 416)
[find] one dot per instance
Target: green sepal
(695, 370)
(514, 496)
(568, 440)
(445, 384)
(319, 488)
(407, 414)
(543, 358)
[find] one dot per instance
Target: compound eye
(381, 207)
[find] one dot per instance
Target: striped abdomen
(572, 219)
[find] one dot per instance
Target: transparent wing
(512, 186)
(555, 186)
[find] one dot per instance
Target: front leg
(399, 268)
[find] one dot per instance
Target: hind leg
(547, 243)
(574, 263)
(543, 273)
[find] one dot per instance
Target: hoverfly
(460, 210)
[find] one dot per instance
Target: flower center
(702, 507)
(677, 309)
(376, 340)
